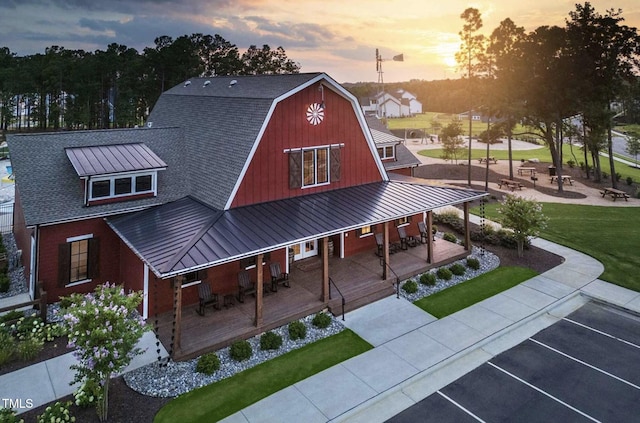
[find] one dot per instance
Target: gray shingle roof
(404, 158)
(50, 189)
(221, 124)
(214, 237)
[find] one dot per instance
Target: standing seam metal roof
(246, 231)
(106, 159)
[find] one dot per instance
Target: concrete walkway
(50, 380)
(416, 354)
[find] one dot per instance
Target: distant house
(229, 176)
(399, 104)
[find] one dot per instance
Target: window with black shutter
(78, 260)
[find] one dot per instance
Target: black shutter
(202, 275)
(295, 169)
(64, 263)
(94, 258)
(335, 164)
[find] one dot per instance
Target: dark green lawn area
(219, 400)
(608, 234)
(463, 295)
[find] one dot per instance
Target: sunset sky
(334, 36)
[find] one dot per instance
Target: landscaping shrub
(240, 350)
(65, 302)
(5, 283)
(297, 330)
(53, 331)
(7, 347)
(629, 180)
(428, 279)
(28, 326)
(618, 176)
(8, 415)
(444, 274)
(321, 320)
(208, 363)
(29, 347)
(410, 287)
(473, 263)
(450, 237)
(457, 269)
(270, 341)
(88, 394)
(58, 412)
(571, 163)
(12, 315)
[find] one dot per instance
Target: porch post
(177, 311)
(325, 269)
(259, 289)
(467, 228)
(385, 249)
(430, 236)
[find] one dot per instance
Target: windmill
(379, 60)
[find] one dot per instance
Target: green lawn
(424, 120)
(463, 295)
(609, 234)
(219, 400)
(544, 155)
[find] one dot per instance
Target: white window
(315, 167)
(387, 152)
(122, 185)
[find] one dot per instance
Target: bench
(554, 178)
(614, 193)
(484, 160)
(526, 170)
(512, 185)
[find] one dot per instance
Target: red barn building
(229, 176)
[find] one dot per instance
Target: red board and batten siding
(52, 236)
(267, 176)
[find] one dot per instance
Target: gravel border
(176, 378)
(18, 284)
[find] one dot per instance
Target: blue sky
(334, 36)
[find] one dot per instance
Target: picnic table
(526, 170)
(484, 160)
(614, 193)
(512, 185)
(564, 179)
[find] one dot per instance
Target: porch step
(360, 297)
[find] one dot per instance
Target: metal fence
(6, 218)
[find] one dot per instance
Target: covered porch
(359, 278)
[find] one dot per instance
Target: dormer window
(116, 172)
(122, 185)
(387, 152)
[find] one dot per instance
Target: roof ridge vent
(233, 82)
(206, 83)
(187, 83)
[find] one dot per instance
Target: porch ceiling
(184, 236)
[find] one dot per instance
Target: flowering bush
(104, 329)
(57, 413)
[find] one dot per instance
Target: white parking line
(461, 407)
(602, 333)
(633, 385)
(543, 392)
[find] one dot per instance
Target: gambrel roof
(223, 117)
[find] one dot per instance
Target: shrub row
(444, 273)
(241, 350)
(490, 235)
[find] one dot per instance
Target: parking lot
(583, 368)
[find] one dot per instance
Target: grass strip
(467, 293)
(608, 234)
(221, 399)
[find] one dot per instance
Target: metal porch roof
(106, 159)
(186, 235)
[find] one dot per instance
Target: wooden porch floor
(358, 278)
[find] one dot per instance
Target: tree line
(560, 82)
(116, 87)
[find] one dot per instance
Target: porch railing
(383, 263)
(332, 283)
